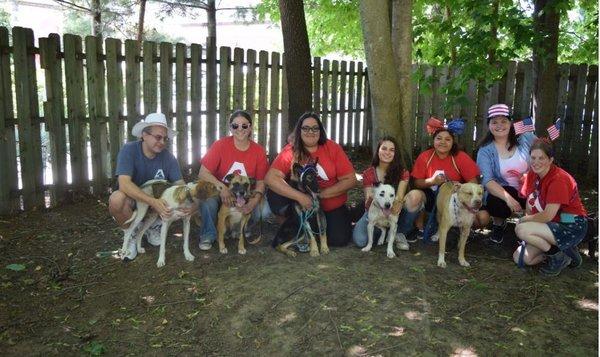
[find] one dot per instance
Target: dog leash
(304, 217)
(520, 262)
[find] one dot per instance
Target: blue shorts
(568, 235)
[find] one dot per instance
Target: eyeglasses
(235, 126)
(308, 129)
(159, 137)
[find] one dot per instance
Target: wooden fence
(67, 106)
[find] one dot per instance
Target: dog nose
(388, 205)
(478, 203)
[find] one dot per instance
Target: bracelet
(258, 193)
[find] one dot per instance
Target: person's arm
(275, 179)
(130, 189)
(259, 192)
(344, 184)
(401, 191)
(226, 196)
(542, 217)
(428, 182)
(495, 189)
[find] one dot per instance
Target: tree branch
(72, 5)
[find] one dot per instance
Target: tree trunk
(545, 51)
(96, 18)
(383, 79)
(296, 57)
(140, 34)
(482, 85)
(402, 38)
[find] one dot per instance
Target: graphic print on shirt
(237, 168)
(321, 173)
(534, 201)
(160, 175)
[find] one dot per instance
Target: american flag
(524, 126)
(554, 130)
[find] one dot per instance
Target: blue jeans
(209, 210)
(405, 224)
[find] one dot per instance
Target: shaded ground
(69, 301)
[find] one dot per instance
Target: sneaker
(576, 259)
(556, 263)
(435, 237)
(132, 250)
(401, 242)
(497, 233)
(205, 245)
(153, 234)
(412, 236)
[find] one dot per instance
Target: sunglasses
(310, 129)
(159, 137)
(235, 126)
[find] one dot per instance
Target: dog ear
(229, 177)
(376, 184)
(456, 187)
(180, 194)
(252, 181)
(296, 170)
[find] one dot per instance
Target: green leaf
(15, 267)
(95, 348)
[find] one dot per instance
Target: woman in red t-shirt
(335, 171)
(386, 167)
(235, 154)
(556, 220)
(445, 162)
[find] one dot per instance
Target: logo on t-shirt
(534, 202)
(160, 175)
(236, 168)
(322, 173)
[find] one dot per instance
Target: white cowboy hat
(151, 120)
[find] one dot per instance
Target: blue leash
(301, 239)
(520, 262)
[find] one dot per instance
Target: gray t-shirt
(132, 162)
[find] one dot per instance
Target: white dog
(176, 197)
(381, 215)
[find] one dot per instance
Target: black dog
(301, 225)
(591, 236)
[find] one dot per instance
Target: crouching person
(140, 161)
(556, 219)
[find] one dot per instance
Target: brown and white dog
(457, 205)
(176, 197)
(232, 218)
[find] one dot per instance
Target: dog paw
(325, 250)
(142, 250)
(381, 241)
(464, 263)
(160, 263)
(241, 251)
(291, 253)
(223, 251)
(189, 257)
(391, 255)
(314, 253)
(366, 249)
(441, 263)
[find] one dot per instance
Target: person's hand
(226, 196)
(305, 201)
(250, 205)
(161, 207)
(437, 179)
(513, 204)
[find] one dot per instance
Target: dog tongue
(240, 202)
(387, 211)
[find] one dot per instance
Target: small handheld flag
(554, 130)
(524, 126)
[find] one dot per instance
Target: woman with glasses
(309, 143)
(141, 161)
(556, 220)
(235, 154)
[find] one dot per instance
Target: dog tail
(132, 218)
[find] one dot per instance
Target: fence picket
(166, 82)
(332, 121)
(132, 84)
(150, 80)
(251, 83)
(211, 92)
(350, 119)
(325, 96)
(263, 87)
(224, 89)
(196, 103)
(316, 88)
(181, 99)
(96, 106)
(54, 112)
(238, 79)
(114, 88)
(342, 104)
(359, 105)
(274, 105)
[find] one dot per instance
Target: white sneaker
(205, 245)
(132, 250)
(401, 242)
(153, 234)
(435, 237)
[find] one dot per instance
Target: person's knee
(117, 200)
(415, 200)
(483, 218)
(521, 230)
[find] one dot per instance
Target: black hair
(454, 149)
(301, 155)
(394, 170)
(240, 113)
(489, 137)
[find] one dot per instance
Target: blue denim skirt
(568, 235)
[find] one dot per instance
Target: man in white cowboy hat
(140, 161)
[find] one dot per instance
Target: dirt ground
(58, 297)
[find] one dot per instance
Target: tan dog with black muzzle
(232, 217)
(457, 205)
